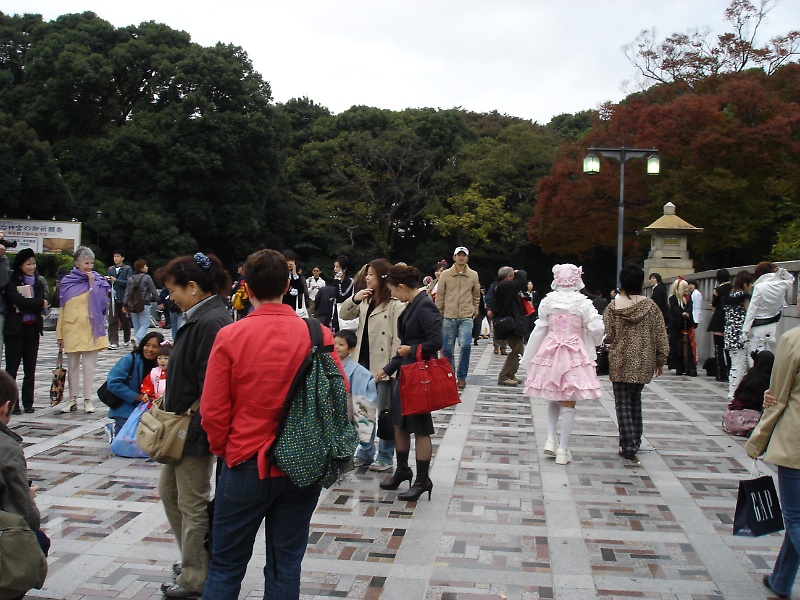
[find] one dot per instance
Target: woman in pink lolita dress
(560, 355)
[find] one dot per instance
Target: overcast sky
(528, 58)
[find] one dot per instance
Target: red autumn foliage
(728, 151)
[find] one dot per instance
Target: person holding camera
(505, 303)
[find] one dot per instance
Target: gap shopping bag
(758, 511)
(124, 443)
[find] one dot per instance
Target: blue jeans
(460, 329)
(175, 322)
(141, 321)
(366, 450)
(788, 561)
(242, 502)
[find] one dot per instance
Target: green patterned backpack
(315, 440)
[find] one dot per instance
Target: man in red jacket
(249, 373)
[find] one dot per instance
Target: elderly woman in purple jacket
(81, 327)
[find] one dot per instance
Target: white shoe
(550, 447)
(563, 457)
(88, 407)
(113, 346)
(70, 405)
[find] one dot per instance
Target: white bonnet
(567, 277)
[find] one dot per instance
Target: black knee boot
(401, 474)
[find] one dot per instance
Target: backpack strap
(315, 332)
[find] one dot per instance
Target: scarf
(31, 281)
(76, 283)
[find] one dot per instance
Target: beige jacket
(74, 328)
(459, 294)
(777, 431)
(383, 338)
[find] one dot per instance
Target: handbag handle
(60, 359)
(419, 352)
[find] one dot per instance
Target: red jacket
(250, 369)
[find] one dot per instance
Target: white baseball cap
(461, 249)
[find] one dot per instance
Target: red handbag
(427, 385)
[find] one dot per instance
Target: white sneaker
(70, 405)
(563, 457)
(88, 407)
(113, 347)
(550, 447)
(380, 465)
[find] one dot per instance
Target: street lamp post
(591, 165)
(99, 216)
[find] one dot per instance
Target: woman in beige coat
(81, 326)
(377, 314)
(776, 436)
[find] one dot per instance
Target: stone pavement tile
(616, 515)
(657, 560)
(479, 508)
(460, 590)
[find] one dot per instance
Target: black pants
(116, 318)
(722, 358)
(23, 348)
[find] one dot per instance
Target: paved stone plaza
(503, 522)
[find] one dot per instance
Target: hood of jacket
(636, 312)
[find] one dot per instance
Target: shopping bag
(302, 310)
(758, 511)
(124, 443)
(527, 307)
(427, 385)
(485, 330)
(59, 379)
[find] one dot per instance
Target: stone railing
(706, 283)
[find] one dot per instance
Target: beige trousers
(185, 489)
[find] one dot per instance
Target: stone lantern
(669, 253)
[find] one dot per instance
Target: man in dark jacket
(506, 303)
(118, 276)
(16, 496)
(659, 295)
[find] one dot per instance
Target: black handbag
(504, 327)
(109, 399)
(758, 511)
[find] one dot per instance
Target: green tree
(30, 183)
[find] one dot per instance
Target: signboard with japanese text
(42, 236)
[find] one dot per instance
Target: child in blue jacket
(363, 391)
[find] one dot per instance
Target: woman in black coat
(197, 284)
(419, 324)
(681, 327)
(24, 324)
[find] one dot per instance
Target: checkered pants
(628, 402)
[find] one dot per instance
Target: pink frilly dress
(560, 357)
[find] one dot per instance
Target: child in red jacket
(155, 382)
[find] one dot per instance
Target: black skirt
(421, 424)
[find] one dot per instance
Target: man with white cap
(458, 297)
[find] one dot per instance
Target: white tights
(554, 409)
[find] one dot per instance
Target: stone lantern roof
(669, 221)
